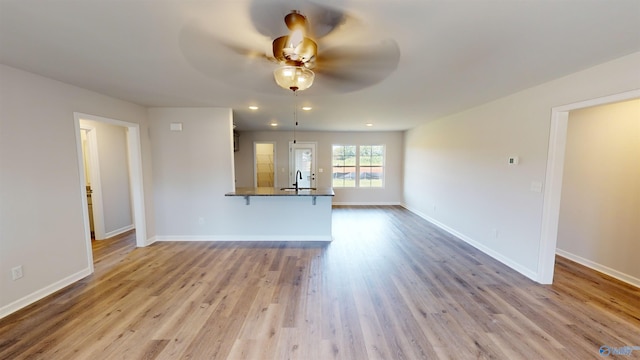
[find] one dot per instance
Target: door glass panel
(303, 161)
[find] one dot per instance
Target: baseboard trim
(357, 203)
(626, 278)
(244, 238)
(119, 231)
(150, 240)
(42, 293)
(492, 253)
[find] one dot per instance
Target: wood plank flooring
(390, 286)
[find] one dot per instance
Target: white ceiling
(453, 54)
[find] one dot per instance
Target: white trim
(83, 198)
(136, 183)
(37, 295)
(550, 208)
(553, 188)
(361, 203)
(243, 238)
(601, 268)
(492, 253)
(97, 206)
(150, 241)
(123, 229)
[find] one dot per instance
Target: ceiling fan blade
(350, 68)
(246, 52)
(211, 56)
(268, 17)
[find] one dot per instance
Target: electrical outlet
(16, 272)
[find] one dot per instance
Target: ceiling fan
(296, 53)
(295, 49)
(312, 39)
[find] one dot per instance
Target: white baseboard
(601, 268)
(244, 238)
(494, 254)
(358, 203)
(119, 231)
(46, 291)
(150, 240)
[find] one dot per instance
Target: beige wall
(600, 208)
(393, 141)
(456, 170)
(41, 213)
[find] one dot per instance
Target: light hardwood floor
(390, 286)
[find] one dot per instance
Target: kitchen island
(273, 214)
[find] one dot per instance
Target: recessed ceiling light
(369, 124)
(253, 107)
(274, 124)
(306, 108)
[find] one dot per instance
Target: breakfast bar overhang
(271, 214)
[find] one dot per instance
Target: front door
(302, 157)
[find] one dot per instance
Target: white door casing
(302, 157)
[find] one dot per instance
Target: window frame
(344, 166)
(357, 167)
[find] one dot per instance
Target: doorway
(264, 155)
(134, 157)
(302, 158)
(553, 180)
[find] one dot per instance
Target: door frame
(134, 154)
(314, 163)
(553, 179)
(94, 175)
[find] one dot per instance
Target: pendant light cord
(295, 115)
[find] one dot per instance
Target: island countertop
(270, 191)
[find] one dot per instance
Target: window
(371, 165)
(358, 166)
(344, 166)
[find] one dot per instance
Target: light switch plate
(176, 127)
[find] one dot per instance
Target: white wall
(393, 141)
(41, 221)
(192, 170)
(600, 208)
(114, 176)
(456, 172)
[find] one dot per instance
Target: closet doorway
(264, 155)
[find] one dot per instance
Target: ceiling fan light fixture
(293, 77)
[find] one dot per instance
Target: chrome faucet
(298, 176)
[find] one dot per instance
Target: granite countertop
(269, 191)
